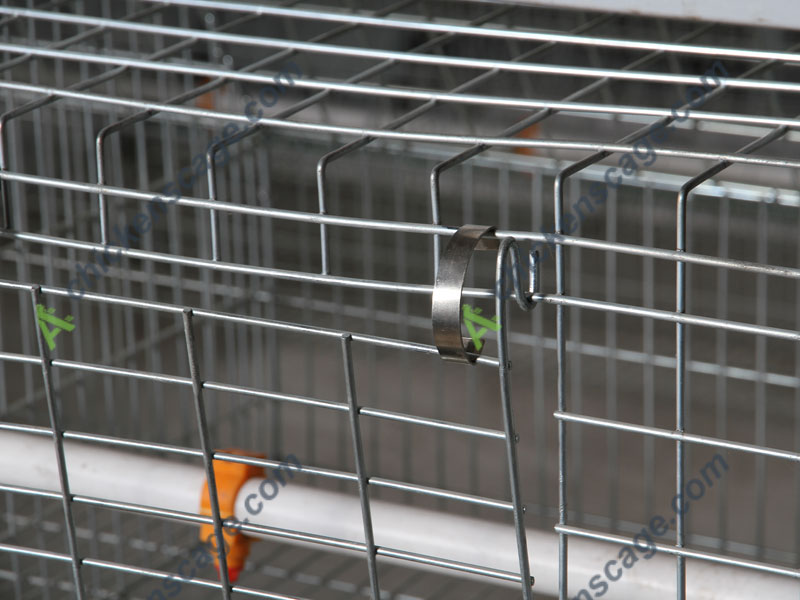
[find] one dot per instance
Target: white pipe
(28, 460)
(490, 544)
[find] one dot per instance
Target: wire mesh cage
(234, 240)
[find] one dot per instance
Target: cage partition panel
(398, 300)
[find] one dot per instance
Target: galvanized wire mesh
(407, 120)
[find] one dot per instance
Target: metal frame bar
(58, 441)
(416, 25)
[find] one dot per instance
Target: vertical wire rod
(5, 203)
(438, 170)
(679, 328)
(358, 450)
(58, 440)
(680, 339)
(295, 108)
(407, 117)
(561, 361)
(106, 131)
(179, 99)
(205, 444)
(680, 379)
(512, 439)
(5, 118)
(536, 117)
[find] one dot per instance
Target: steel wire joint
(446, 298)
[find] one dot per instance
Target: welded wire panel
(220, 228)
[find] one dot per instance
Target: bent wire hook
(446, 298)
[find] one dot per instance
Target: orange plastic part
(229, 477)
(205, 100)
(530, 133)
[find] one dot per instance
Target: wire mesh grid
(242, 206)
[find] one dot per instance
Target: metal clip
(446, 298)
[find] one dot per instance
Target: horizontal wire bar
(413, 94)
(672, 317)
(661, 315)
(376, 481)
(396, 226)
(228, 317)
(714, 189)
(457, 566)
(205, 70)
(290, 398)
(461, 497)
(298, 276)
(518, 34)
(34, 429)
(266, 462)
(659, 253)
(253, 528)
(26, 491)
(676, 435)
(570, 417)
(246, 391)
(19, 550)
(304, 537)
(261, 462)
(36, 553)
(657, 180)
(283, 533)
(409, 57)
(587, 349)
(467, 140)
(104, 564)
(108, 440)
(631, 356)
(175, 515)
(222, 316)
(708, 556)
(406, 93)
(446, 425)
(370, 412)
(186, 517)
(358, 337)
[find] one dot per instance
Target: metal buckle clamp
(446, 297)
